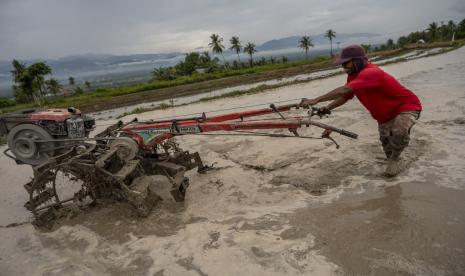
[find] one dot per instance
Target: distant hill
(94, 62)
(292, 41)
(81, 66)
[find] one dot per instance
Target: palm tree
(330, 34)
(29, 80)
(461, 26)
(216, 45)
(23, 83)
(250, 49)
(87, 84)
(305, 43)
(37, 71)
(366, 47)
(71, 81)
(432, 29)
(19, 69)
(390, 43)
(53, 86)
(236, 46)
(451, 27)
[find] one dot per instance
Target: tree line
(433, 33)
(203, 62)
(30, 85)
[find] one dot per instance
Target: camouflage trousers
(395, 133)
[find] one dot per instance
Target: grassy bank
(108, 98)
(2, 140)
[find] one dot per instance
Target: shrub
(4, 102)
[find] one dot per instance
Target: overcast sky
(56, 28)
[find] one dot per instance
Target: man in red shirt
(394, 107)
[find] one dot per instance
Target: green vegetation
(330, 34)
(53, 86)
(366, 47)
(193, 62)
(4, 102)
(433, 34)
(29, 81)
(305, 43)
(216, 45)
(250, 50)
(236, 47)
(2, 140)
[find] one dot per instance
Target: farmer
(394, 107)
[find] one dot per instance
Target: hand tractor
(72, 168)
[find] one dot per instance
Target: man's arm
(340, 92)
(337, 102)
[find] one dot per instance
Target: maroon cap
(349, 53)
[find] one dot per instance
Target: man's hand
(326, 133)
(305, 103)
(324, 110)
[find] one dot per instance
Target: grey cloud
(53, 28)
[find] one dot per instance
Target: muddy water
(280, 207)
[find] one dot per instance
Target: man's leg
(399, 139)
(385, 137)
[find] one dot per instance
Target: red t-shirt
(382, 94)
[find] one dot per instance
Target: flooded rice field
(278, 206)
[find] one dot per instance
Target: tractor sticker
(188, 129)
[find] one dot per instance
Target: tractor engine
(50, 126)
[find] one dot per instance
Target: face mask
(358, 65)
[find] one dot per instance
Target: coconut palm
(53, 86)
(432, 29)
(236, 46)
(216, 45)
(29, 80)
(18, 69)
(451, 25)
(250, 49)
(450, 29)
(71, 81)
(330, 34)
(461, 26)
(22, 88)
(390, 44)
(366, 47)
(37, 71)
(305, 43)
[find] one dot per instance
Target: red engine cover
(58, 114)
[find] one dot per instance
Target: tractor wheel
(22, 143)
(127, 148)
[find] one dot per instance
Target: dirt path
(280, 207)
